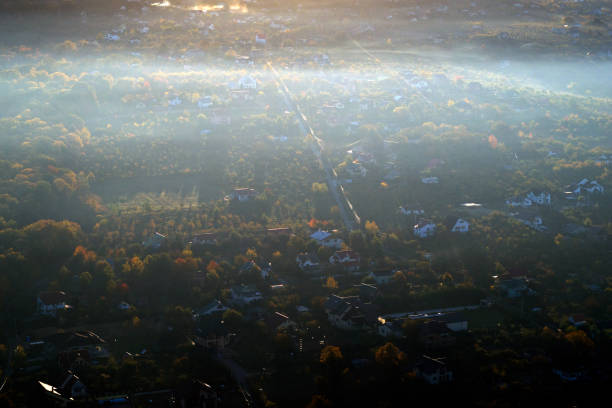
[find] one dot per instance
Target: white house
(348, 259)
(243, 194)
(430, 180)
(533, 221)
(382, 277)
(213, 307)
(541, 198)
(260, 38)
(205, 102)
(247, 82)
(307, 261)
(111, 37)
(424, 229)
(434, 370)
(326, 239)
(407, 211)
(48, 303)
(461, 226)
(175, 101)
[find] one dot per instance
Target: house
(249, 266)
(260, 39)
(213, 333)
(435, 334)
(79, 348)
(356, 169)
(460, 225)
(512, 287)
(48, 303)
(430, 180)
(367, 291)
(278, 232)
(111, 37)
(245, 294)
(155, 241)
(308, 262)
(243, 194)
(541, 198)
(205, 238)
(531, 219)
(390, 327)
(455, 322)
(382, 277)
(175, 101)
(424, 228)
(279, 322)
(583, 187)
(243, 60)
(347, 258)
(326, 239)
(577, 319)
(213, 307)
(247, 82)
(433, 370)
(349, 313)
(519, 202)
(407, 211)
(71, 388)
(205, 102)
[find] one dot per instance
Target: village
(256, 204)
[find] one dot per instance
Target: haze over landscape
(306, 203)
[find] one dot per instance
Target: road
(239, 375)
(347, 212)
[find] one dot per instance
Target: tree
(389, 355)
(233, 319)
(371, 227)
(319, 401)
(331, 283)
(330, 355)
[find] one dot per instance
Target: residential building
(424, 228)
(327, 239)
(433, 370)
(390, 327)
(460, 225)
(430, 180)
(213, 307)
(349, 259)
(350, 313)
(155, 241)
(243, 194)
(205, 238)
(279, 322)
(245, 294)
(308, 262)
(382, 277)
(48, 303)
(435, 334)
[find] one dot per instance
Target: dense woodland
(137, 121)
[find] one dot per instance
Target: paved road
(240, 376)
(347, 212)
